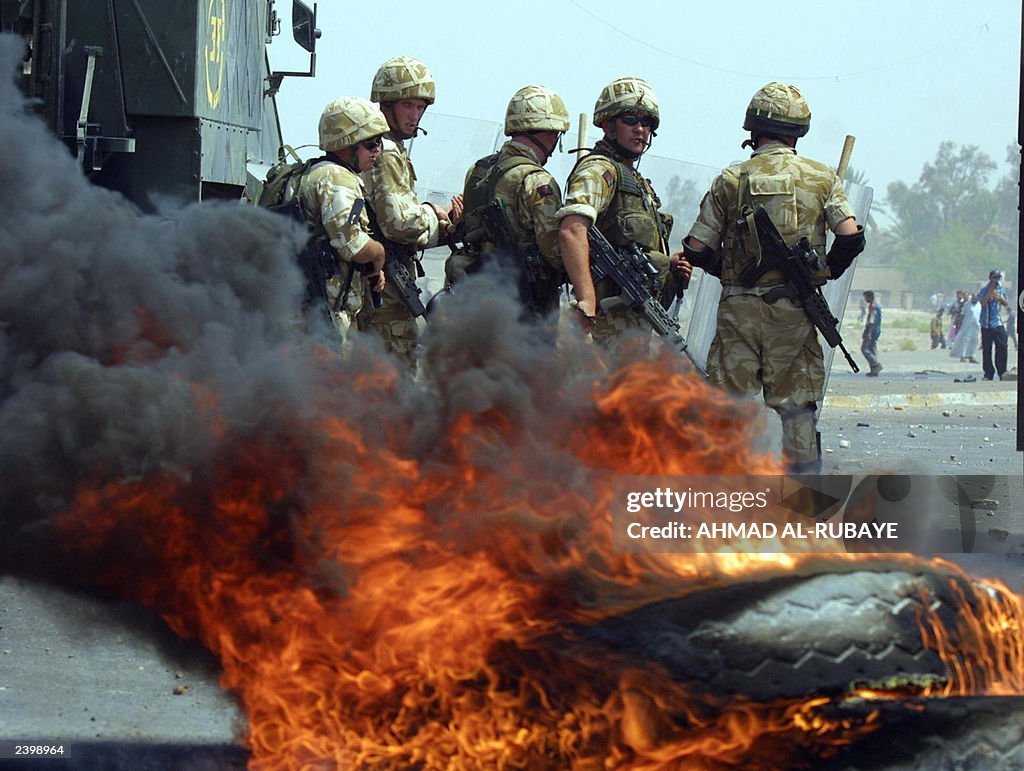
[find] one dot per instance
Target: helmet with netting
(536, 108)
(402, 77)
(626, 95)
(780, 109)
(349, 120)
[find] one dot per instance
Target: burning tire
(928, 734)
(791, 637)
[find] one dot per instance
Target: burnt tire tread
(792, 637)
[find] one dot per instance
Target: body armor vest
(633, 216)
(538, 285)
(784, 196)
(480, 187)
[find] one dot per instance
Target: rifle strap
(343, 296)
(353, 218)
(745, 225)
(503, 167)
(499, 170)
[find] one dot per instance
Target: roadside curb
(868, 401)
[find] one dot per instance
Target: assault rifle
(396, 273)
(534, 274)
(402, 280)
(630, 270)
(794, 262)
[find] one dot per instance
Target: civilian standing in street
(872, 331)
(993, 299)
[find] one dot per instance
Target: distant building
(893, 289)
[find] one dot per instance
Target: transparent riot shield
(443, 156)
(681, 186)
(441, 159)
(838, 292)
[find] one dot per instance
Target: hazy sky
(900, 75)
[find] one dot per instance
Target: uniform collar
(607, 148)
(396, 139)
(513, 147)
(774, 147)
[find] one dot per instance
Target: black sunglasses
(646, 120)
(373, 144)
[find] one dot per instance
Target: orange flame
(374, 609)
(983, 648)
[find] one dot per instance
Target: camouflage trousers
(392, 322)
(610, 325)
(772, 348)
(343, 313)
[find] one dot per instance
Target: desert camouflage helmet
(349, 120)
(778, 108)
(402, 77)
(535, 108)
(626, 95)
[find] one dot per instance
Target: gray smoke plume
(138, 345)
(108, 317)
(122, 335)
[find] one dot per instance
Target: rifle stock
(630, 270)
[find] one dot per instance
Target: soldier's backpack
(281, 187)
(317, 259)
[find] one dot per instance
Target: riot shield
(443, 156)
(441, 159)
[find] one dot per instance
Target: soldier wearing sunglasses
(606, 189)
(332, 198)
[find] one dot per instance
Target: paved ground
(917, 418)
(108, 683)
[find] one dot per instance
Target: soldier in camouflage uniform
(605, 188)
(332, 197)
(404, 88)
(515, 177)
(764, 340)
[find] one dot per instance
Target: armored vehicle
(159, 98)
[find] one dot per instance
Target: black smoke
(134, 344)
(115, 325)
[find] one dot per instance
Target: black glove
(704, 258)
